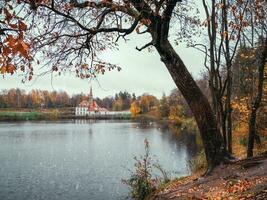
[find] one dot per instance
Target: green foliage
(20, 115)
(29, 115)
(243, 141)
(141, 181)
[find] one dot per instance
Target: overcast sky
(142, 72)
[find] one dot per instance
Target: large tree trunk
(211, 137)
(257, 101)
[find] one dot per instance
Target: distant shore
(54, 114)
(50, 114)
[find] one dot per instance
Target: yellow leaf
(3, 70)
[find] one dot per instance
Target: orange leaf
(6, 51)
(11, 41)
(11, 68)
(24, 49)
(25, 46)
(13, 26)
(3, 70)
(22, 26)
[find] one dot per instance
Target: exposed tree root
(225, 158)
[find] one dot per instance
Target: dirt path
(245, 179)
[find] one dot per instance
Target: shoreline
(52, 115)
(28, 115)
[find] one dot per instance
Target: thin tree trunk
(214, 83)
(229, 129)
(251, 132)
(228, 110)
(223, 126)
(211, 137)
(256, 103)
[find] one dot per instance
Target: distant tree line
(18, 98)
(172, 107)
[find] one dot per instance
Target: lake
(83, 159)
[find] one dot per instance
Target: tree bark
(223, 126)
(228, 109)
(257, 101)
(211, 137)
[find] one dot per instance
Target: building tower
(90, 97)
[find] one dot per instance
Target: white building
(90, 107)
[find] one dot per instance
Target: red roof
(93, 106)
(84, 103)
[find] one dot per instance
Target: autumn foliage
(14, 47)
(69, 36)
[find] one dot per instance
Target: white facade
(83, 111)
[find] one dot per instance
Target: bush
(141, 182)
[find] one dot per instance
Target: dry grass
(239, 147)
(233, 181)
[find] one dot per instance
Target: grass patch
(17, 116)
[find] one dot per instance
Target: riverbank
(32, 114)
(51, 114)
(25, 116)
(244, 179)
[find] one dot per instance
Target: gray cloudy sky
(142, 72)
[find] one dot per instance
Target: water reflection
(174, 134)
(82, 159)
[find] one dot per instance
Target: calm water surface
(82, 159)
